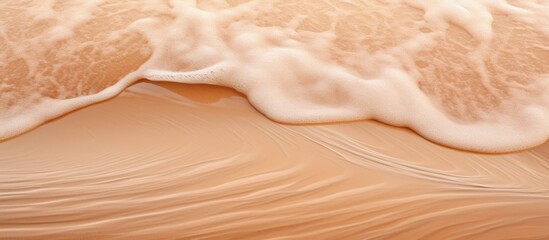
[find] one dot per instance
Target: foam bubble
(468, 74)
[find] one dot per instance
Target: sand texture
(173, 161)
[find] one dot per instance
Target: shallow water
(186, 160)
(467, 74)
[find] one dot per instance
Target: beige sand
(198, 162)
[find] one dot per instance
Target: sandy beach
(169, 161)
(274, 119)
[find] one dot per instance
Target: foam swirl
(467, 74)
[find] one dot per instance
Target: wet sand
(169, 161)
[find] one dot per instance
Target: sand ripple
(194, 162)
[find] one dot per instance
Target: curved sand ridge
(468, 74)
(198, 162)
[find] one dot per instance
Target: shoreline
(198, 161)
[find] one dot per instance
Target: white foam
(293, 72)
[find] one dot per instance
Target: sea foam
(468, 74)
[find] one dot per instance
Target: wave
(470, 75)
